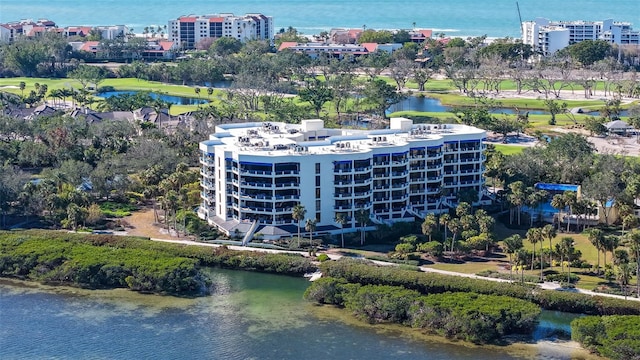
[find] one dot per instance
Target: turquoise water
(248, 316)
(496, 18)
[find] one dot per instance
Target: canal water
(247, 316)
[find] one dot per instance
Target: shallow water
(248, 316)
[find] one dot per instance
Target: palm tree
(454, 225)
(521, 259)
(633, 241)
(596, 237)
(428, 225)
(341, 219)
(570, 200)
(534, 236)
(209, 92)
(624, 276)
(310, 226)
(549, 232)
(444, 221)
(534, 200)
(566, 249)
(298, 212)
(558, 202)
(22, 86)
(517, 198)
(362, 217)
(610, 243)
(512, 244)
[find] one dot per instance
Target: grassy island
(104, 261)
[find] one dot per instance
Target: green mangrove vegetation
(616, 337)
(104, 261)
(465, 316)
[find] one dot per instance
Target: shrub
(562, 278)
(615, 337)
(323, 257)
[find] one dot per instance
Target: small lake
(177, 100)
(427, 104)
(247, 316)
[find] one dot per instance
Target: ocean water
(495, 18)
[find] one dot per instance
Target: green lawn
(509, 149)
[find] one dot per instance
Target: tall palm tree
(534, 236)
(517, 197)
(444, 221)
(633, 241)
(297, 213)
(571, 201)
(609, 243)
(511, 245)
(558, 202)
(596, 237)
(341, 219)
(310, 226)
(362, 217)
(624, 276)
(22, 86)
(428, 225)
(454, 226)
(549, 232)
(566, 249)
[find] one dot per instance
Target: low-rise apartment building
(254, 174)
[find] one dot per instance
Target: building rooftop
(311, 137)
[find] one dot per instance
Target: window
(317, 168)
(317, 180)
(317, 205)
(318, 217)
(317, 193)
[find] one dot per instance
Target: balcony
(256, 172)
(416, 180)
(253, 184)
(396, 174)
(363, 181)
(362, 169)
(381, 163)
(286, 185)
(343, 171)
(380, 175)
(399, 185)
(342, 195)
(208, 185)
(287, 172)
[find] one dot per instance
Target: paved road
(545, 285)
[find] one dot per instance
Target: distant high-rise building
(187, 31)
(547, 37)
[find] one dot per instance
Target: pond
(427, 104)
(177, 100)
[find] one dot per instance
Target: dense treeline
(616, 337)
(430, 283)
(102, 261)
(466, 316)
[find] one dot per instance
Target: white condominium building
(548, 36)
(187, 31)
(253, 174)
